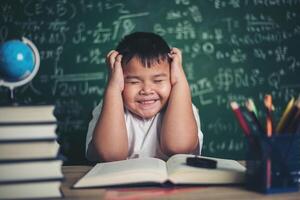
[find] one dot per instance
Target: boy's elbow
(106, 154)
(180, 145)
(113, 157)
(178, 148)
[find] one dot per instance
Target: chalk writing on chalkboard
(232, 50)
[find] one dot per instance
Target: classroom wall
(232, 50)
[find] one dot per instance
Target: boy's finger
(118, 61)
(112, 58)
(109, 53)
(175, 50)
(108, 56)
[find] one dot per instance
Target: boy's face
(146, 90)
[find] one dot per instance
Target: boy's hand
(116, 79)
(177, 73)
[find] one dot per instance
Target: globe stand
(10, 84)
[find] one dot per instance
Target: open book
(153, 170)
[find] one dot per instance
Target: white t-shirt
(143, 135)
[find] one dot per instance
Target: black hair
(150, 48)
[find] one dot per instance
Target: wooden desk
(73, 173)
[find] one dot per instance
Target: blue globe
(16, 61)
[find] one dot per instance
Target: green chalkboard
(232, 50)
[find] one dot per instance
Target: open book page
(227, 171)
(141, 170)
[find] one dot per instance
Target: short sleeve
(90, 151)
(200, 134)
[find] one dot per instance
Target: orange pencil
(269, 121)
(269, 129)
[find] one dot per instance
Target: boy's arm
(110, 134)
(179, 133)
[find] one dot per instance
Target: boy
(146, 109)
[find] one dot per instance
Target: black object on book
(201, 162)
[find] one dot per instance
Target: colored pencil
(269, 129)
(236, 110)
(292, 124)
(285, 116)
(250, 102)
(269, 121)
(251, 108)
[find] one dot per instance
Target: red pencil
(236, 109)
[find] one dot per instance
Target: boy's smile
(146, 90)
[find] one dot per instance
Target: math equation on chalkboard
(232, 51)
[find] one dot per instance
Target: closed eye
(132, 82)
(157, 81)
(160, 78)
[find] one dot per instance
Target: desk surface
(73, 173)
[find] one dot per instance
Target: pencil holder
(273, 163)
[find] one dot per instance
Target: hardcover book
(152, 170)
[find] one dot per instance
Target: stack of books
(29, 164)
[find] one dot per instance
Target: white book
(31, 190)
(28, 150)
(27, 114)
(30, 171)
(153, 170)
(27, 132)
